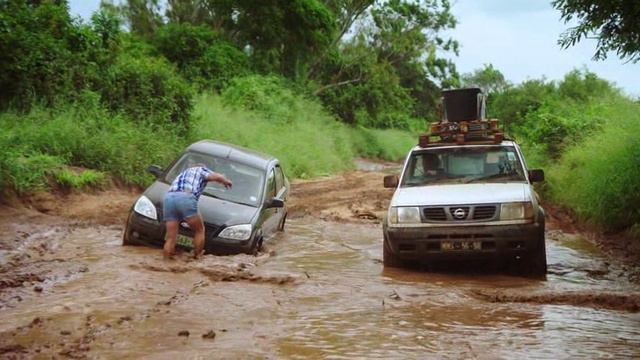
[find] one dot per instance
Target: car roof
(449, 145)
(232, 152)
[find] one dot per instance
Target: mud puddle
(319, 290)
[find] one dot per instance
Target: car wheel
(257, 246)
(126, 236)
(282, 222)
(389, 259)
(536, 263)
(126, 239)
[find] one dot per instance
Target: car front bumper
(143, 230)
(431, 244)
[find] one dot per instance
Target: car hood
(461, 194)
(213, 211)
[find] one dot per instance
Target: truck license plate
(461, 245)
(185, 241)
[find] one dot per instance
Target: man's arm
(219, 178)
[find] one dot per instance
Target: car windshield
(458, 165)
(247, 180)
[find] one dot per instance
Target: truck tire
(389, 259)
(536, 263)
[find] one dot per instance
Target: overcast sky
(519, 37)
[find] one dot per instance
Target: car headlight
(516, 211)
(404, 215)
(145, 207)
(237, 232)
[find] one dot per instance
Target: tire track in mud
(629, 302)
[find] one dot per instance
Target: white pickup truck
(458, 202)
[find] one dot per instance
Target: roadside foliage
(314, 82)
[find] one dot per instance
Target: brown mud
(68, 289)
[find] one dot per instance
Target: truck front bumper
(497, 242)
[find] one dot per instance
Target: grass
(39, 143)
(83, 180)
(308, 141)
(599, 177)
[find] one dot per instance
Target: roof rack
(463, 121)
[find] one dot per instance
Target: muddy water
(317, 291)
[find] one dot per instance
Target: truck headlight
(237, 232)
(145, 207)
(404, 215)
(516, 211)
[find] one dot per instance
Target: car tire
(389, 259)
(126, 236)
(536, 263)
(126, 239)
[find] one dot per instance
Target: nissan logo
(459, 213)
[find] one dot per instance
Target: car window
(271, 185)
(463, 165)
(279, 178)
(247, 180)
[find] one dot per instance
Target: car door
(271, 214)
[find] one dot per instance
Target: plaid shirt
(192, 180)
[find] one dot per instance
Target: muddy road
(69, 289)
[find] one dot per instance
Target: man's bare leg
(170, 239)
(196, 224)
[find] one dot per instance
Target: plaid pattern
(192, 180)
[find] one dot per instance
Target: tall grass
(82, 134)
(307, 140)
(599, 177)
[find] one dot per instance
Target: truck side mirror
(536, 175)
(391, 181)
(155, 170)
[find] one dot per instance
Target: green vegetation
(86, 178)
(281, 77)
(583, 132)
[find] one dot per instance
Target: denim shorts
(179, 206)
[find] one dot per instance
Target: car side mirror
(536, 175)
(275, 203)
(155, 170)
(391, 181)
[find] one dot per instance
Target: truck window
(463, 164)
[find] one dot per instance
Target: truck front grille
(459, 213)
(484, 212)
(435, 214)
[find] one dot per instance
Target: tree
(489, 79)
(614, 23)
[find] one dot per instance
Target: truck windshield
(247, 180)
(457, 165)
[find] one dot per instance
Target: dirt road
(69, 289)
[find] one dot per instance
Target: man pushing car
(181, 204)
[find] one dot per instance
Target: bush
(599, 177)
(269, 96)
(45, 56)
(148, 91)
(201, 55)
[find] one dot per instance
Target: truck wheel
(536, 263)
(389, 259)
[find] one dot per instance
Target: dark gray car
(237, 219)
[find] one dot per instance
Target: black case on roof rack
(463, 120)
